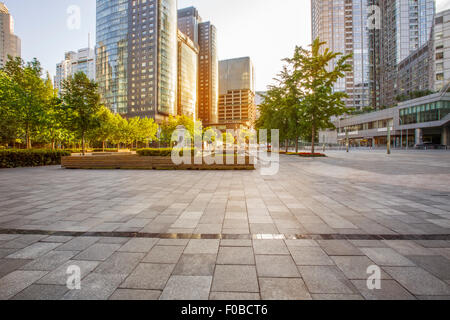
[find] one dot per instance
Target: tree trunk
(287, 145)
(103, 146)
(313, 139)
(27, 136)
(83, 145)
(296, 145)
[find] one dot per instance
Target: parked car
(430, 146)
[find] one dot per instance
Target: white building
(74, 62)
(442, 50)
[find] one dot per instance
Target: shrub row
(163, 152)
(30, 158)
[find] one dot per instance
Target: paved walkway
(309, 232)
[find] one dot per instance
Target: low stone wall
(148, 163)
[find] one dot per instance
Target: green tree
(81, 103)
(9, 128)
(31, 98)
(147, 129)
(314, 73)
(104, 131)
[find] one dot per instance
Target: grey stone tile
(236, 255)
(139, 245)
(390, 290)
(235, 243)
(301, 243)
(57, 239)
(50, 261)
(436, 265)
(386, 257)
(235, 278)
(196, 265)
(7, 252)
(148, 276)
(173, 242)
(34, 251)
(164, 254)
(434, 243)
(96, 287)
(132, 294)
(10, 265)
(78, 244)
(368, 243)
(234, 296)
(355, 267)
(16, 281)
(409, 248)
(187, 288)
(59, 276)
(276, 267)
(339, 248)
(418, 281)
(283, 289)
(120, 263)
(41, 292)
(433, 297)
(310, 256)
(270, 247)
(196, 246)
(326, 279)
(113, 240)
(98, 252)
(22, 241)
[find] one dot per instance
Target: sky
(265, 30)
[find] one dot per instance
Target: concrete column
(445, 138)
(419, 136)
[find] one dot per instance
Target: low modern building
(422, 120)
(187, 76)
(236, 94)
(10, 44)
(81, 61)
(442, 50)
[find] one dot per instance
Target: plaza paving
(309, 232)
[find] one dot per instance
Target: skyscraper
(81, 61)
(9, 43)
(203, 34)
(442, 50)
(236, 94)
(187, 76)
(208, 74)
(406, 27)
(342, 24)
(188, 21)
(137, 56)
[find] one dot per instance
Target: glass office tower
(137, 56)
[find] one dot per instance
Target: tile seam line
(221, 236)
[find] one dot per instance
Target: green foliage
(30, 158)
(81, 105)
(26, 98)
(163, 152)
(303, 101)
(170, 125)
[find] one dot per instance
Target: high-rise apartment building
(203, 34)
(406, 26)
(188, 21)
(442, 50)
(187, 76)
(208, 74)
(342, 24)
(81, 61)
(236, 94)
(9, 43)
(137, 56)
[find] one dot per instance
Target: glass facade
(112, 53)
(167, 57)
(187, 76)
(434, 111)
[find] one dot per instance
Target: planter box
(145, 163)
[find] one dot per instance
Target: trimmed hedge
(31, 158)
(163, 152)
